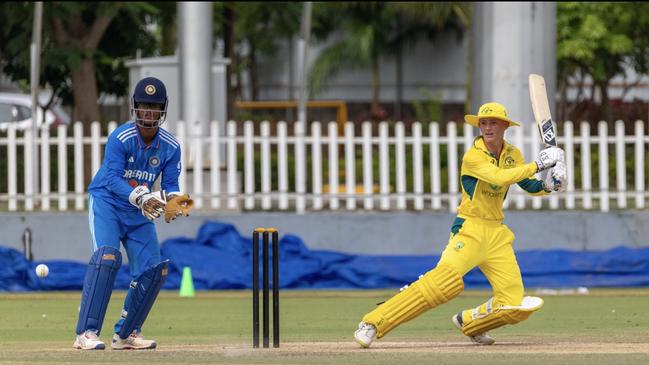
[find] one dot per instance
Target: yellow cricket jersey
(485, 180)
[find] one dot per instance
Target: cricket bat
(541, 109)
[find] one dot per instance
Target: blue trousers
(110, 226)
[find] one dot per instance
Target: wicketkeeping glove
(178, 205)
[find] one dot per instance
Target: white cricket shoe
(365, 334)
(133, 342)
(480, 339)
(88, 341)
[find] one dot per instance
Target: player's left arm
(178, 203)
(533, 186)
(170, 174)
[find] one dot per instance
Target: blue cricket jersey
(129, 162)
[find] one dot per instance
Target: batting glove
(152, 205)
(548, 157)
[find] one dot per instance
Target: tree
(166, 18)
(371, 30)
(261, 26)
(224, 21)
(84, 48)
(600, 40)
(83, 51)
(426, 20)
(251, 31)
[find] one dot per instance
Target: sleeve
(170, 174)
(481, 168)
(115, 161)
(533, 186)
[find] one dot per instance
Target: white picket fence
(217, 183)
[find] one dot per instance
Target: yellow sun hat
(490, 110)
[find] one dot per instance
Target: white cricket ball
(42, 271)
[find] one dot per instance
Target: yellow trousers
(487, 245)
(473, 242)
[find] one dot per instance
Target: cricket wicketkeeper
(478, 238)
(121, 208)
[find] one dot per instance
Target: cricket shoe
(133, 342)
(479, 339)
(88, 341)
(365, 334)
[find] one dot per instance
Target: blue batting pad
(97, 288)
(142, 294)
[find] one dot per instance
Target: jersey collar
(479, 144)
(140, 142)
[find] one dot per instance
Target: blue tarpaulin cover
(220, 258)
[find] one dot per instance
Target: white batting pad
(528, 304)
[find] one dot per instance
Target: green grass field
(604, 327)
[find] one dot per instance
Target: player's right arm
(478, 164)
(115, 158)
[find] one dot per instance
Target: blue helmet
(149, 90)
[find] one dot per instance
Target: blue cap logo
(149, 89)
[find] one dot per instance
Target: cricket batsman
(121, 208)
(478, 237)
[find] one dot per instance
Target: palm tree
(375, 29)
(252, 30)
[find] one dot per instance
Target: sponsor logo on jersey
(140, 175)
(134, 184)
(509, 162)
(494, 191)
(131, 159)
